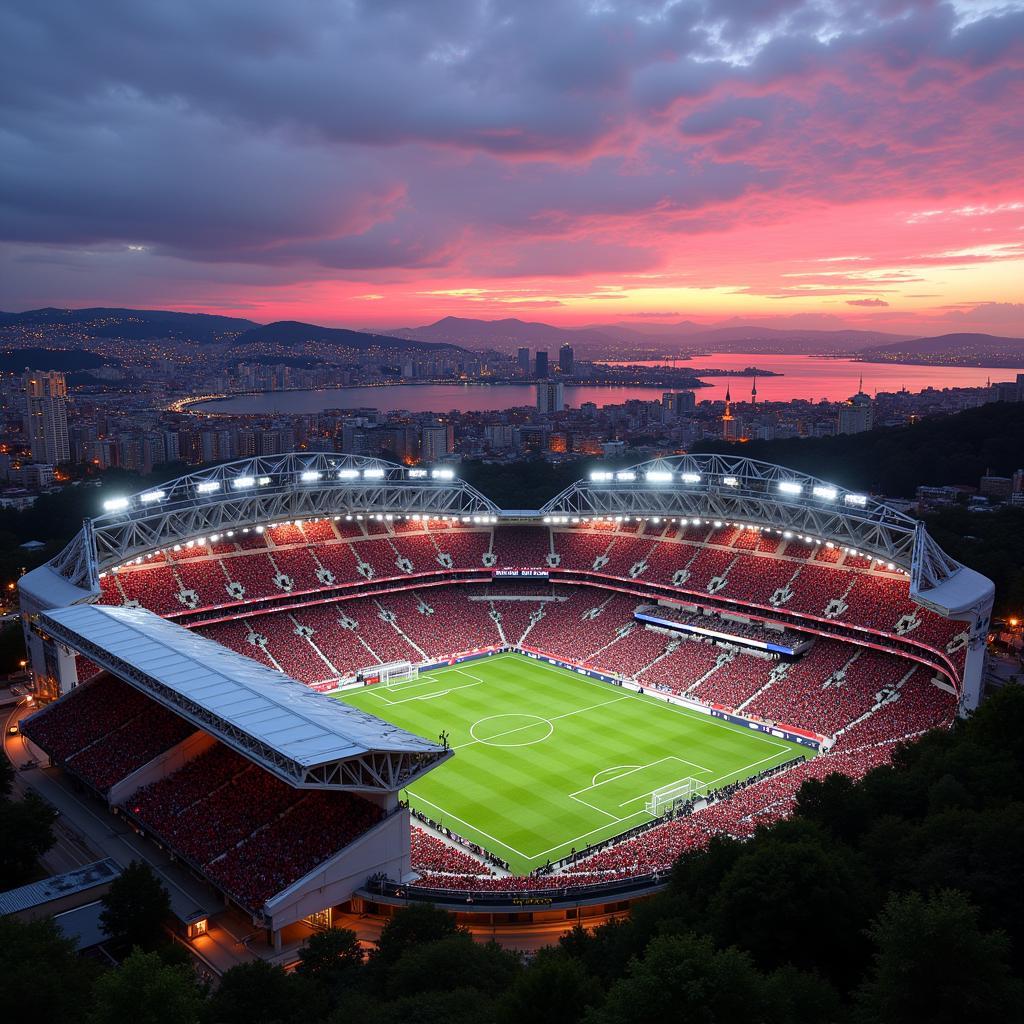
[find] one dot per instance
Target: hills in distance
(205, 328)
(687, 335)
(240, 335)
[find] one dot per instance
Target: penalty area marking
(624, 768)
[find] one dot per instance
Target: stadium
(330, 683)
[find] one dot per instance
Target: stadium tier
(706, 564)
(772, 626)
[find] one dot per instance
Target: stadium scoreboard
(520, 573)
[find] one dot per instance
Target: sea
(814, 378)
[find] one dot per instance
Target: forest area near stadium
(548, 760)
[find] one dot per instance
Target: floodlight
(310, 476)
(208, 487)
(790, 487)
(690, 478)
(658, 476)
(730, 481)
(347, 474)
(860, 500)
(626, 475)
(373, 473)
(826, 493)
(116, 504)
(417, 474)
(150, 496)
(442, 474)
(241, 482)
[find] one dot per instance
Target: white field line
(685, 712)
(554, 718)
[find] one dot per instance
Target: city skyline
(371, 167)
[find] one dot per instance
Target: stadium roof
(46, 890)
(307, 739)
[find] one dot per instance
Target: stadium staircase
(777, 675)
(388, 616)
(886, 697)
(496, 619)
(723, 659)
(306, 633)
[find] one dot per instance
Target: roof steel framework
(731, 488)
(257, 491)
(302, 737)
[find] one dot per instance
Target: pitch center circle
(511, 730)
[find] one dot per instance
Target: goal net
(665, 799)
(391, 673)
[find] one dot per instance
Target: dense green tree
(836, 803)
(264, 993)
(796, 896)
(605, 951)
(554, 989)
(331, 955)
(26, 826)
(146, 990)
(6, 778)
(934, 963)
(450, 963)
(410, 926)
(136, 908)
(685, 978)
(33, 955)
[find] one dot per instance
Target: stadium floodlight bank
(255, 493)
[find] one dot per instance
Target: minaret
(728, 421)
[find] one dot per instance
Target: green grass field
(547, 760)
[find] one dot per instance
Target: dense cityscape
(512, 512)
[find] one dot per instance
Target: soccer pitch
(547, 759)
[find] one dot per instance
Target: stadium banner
(514, 573)
(459, 659)
(685, 627)
(781, 732)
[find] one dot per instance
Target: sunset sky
(388, 163)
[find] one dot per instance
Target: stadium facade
(165, 601)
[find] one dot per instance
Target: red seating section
(105, 730)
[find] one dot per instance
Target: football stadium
(327, 683)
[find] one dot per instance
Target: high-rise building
(858, 414)
(565, 359)
(541, 364)
(679, 403)
(46, 417)
(436, 439)
(523, 358)
(550, 396)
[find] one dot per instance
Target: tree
(793, 883)
(330, 955)
(135, 908)
(263, 993)
(450, 963)
(27, 829)
(410, 926)
(32, 954)
(684, 978)
(836, 803)
(6, 777)
(145, 990)
(554, 989)
(933, 962)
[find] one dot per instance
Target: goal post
(662, 800)
(390, 674)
